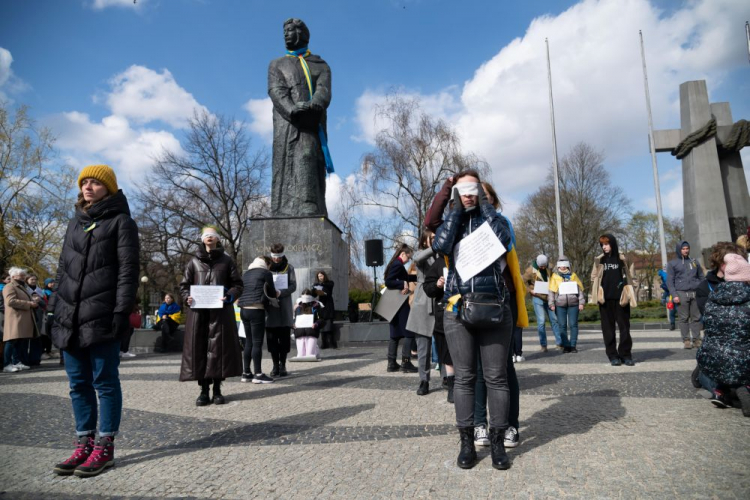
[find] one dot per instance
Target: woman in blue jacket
(165, 321)
(469, 211)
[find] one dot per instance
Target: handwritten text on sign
(477, 251)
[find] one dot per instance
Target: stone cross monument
(715, 194)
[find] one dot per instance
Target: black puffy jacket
(458, 225)
(254, 281)
(97, 275)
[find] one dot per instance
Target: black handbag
(481, 310)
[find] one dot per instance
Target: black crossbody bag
(481, 310)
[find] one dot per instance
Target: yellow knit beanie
(103, 174)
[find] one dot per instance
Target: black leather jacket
(458, 225)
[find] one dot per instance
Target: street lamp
(144, 301)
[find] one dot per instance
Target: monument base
(311, 244)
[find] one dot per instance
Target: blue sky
(116, 81)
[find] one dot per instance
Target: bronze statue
(299, 85)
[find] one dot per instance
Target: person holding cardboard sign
(488, 331)
(307, 325)
(397, 278)
(566, 299)
(537, 278)
(211, 350)
(279, 319)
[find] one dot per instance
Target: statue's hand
(317, 107)
(302, 106)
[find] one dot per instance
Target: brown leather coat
(212, 347)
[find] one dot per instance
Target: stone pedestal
(310, 244)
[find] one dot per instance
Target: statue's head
(296, 34)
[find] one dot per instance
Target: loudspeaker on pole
(374, 252)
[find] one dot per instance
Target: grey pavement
(344, 428)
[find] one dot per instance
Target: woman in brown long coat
(211, 351)
(20, 325)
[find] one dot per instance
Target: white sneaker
(127, 355)
(511, 438)
(480, 436)
(11, 369)
(520, 359)
(22, 366)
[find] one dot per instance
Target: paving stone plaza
(344, 428)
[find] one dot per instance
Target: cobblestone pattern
(344, 428)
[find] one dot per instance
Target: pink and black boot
(101, 458)
(84, 447)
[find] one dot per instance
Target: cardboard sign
(568, 288)
(281, 281)
(207, 296)
(477, 251)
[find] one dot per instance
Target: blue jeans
(14, 351)
(91, 371)
(708, 383)
(568, 316)
(542, 311)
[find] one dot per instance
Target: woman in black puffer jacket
(470, 210)
(97, 280)
(258, 286)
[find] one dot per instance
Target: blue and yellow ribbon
(301, 54)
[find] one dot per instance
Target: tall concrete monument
(299, 85)
(715, 193)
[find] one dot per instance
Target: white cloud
(128, 4)
(5, 61)
(440, 105)
(502, 113)
(113, 141)
(129, 138)
(144, 95)
(9, 83)
(261, 114)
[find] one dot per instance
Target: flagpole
(554, 157)
(652, 146)
(747, 34)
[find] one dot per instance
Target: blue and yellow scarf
(301, 54)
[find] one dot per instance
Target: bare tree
(35, 201)
(589, 203)
(413, 156)
(217, 179)
(641, 240)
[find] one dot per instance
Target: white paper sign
(207, 297)
(382, 290)
(304, 321)
(241, 330)
(568, 287)
(445, 274)
(477, 251)
(541, 287)
(281, 281)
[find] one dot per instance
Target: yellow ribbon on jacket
(511, 259)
